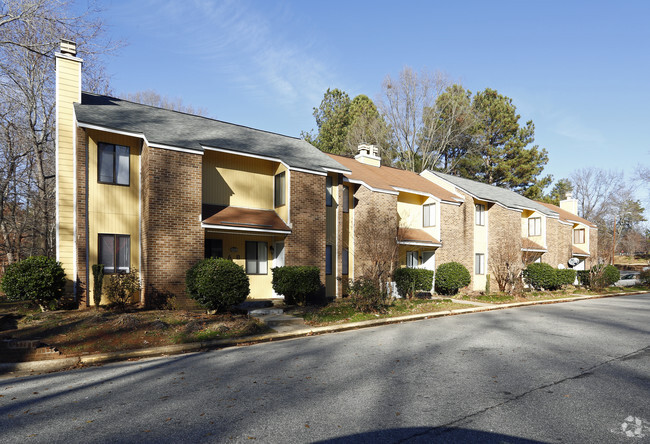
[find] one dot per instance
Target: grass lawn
(341, 311)
(76, 332)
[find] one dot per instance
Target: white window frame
(534, 226)
(280, 189)
(479, 264)
(479, 211)
(412, 259)
(120, 157)
(429, 215)
(118, 266)
(583, 235)
(259, 264)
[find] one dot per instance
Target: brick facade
(172, 236)
(457, 234)
(375, 229)
(306, 243)
(558, 240)
(82, 218)
(593, 248)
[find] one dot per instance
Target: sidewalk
(295, 328)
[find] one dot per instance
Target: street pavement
(575, 372)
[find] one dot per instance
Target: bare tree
(152, 98)
(596, 189)
(404, 105)
(30, 33)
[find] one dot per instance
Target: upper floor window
(346, 198)
(480, 214)
(429, 215)
(535, 226)
(113, 164)
(115, 252)
(579, 236)
(328, 191)
(256, 257)
(280, 196)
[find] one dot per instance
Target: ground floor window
(345, 262)
(256, 257)
(115, 252)
(480, 263)
(213, 248)
(412, 259)
(328, 259)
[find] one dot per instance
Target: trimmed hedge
(296, 283)
(451, 277)
(583, 277)
(542, 276)
(217, 283)
(566, 276)
(409, 280)
(599, 276)
(38, 279)
(644, 276)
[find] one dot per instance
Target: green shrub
(566, 276)
(644, 276)
(217, 283)
(451, 277)
(601, 276)
(541, 276)
(366, 296)
(296, 283)
(98, 282)
(38, 279)
(121, 287)
(410, 280)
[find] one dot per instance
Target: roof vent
(68, 47)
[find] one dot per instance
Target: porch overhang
(532, 247)
(242, 220)
(420, 238)
(577, 252)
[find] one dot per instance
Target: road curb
(102, 358)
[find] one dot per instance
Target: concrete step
(282, 323)
(265, 311)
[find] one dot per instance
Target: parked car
(628, 279)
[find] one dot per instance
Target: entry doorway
(278, 260)
(429, 263)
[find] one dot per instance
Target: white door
(429, 263)
(278, 260)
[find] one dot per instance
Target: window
(328, 259)
(256, 257)
(412, 259)
(213, 248)
(113, 164)
(579, 236)
(480, 263)
(535, 226)
(346, 198)
(429, 215)
(280, 197)
(345, 261)
(480, 214)
(328, 191)
(115, 252)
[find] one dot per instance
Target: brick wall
(82, 217)
(306, 243)
(593, 248)
(457, 234)
(559, 241)
(375, 229)
(172, 237)
(504, 232)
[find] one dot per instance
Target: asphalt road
(574, 373)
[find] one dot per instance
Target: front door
(278, 259)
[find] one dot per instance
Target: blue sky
(578, 69)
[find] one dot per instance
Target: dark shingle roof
(492, 193)
(187, 131)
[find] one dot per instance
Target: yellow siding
(234, 248)
(527, 214)
(409, 210)
(113, 209)
(69, 89)
(480, 246)
(438, 181)
(238, 180)
(330, 236)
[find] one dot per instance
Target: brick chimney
(369, 155)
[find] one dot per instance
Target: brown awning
(529, 245)
(413, 236)
(243, 219)
(578, 252)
